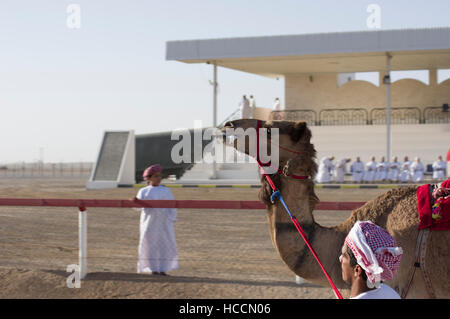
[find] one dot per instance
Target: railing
(81, 204)
(353, 116)
(233, 116)
(436, 115)
(46, 170)
(361, 116)
(399, 115)
(308, 116)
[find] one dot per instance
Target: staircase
(115, 164)
(111, 153)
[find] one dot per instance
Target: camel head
(294, 137)
(295, 152)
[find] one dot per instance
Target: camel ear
(300, 132)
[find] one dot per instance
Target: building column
(387, 82)
(432, 77)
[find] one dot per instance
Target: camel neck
(327, 242)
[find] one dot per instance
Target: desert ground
(222, 253)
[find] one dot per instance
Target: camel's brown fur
(396, 211)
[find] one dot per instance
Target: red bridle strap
(258, 126)
(277, 193)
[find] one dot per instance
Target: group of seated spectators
(382, 171)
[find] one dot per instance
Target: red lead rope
(293, 218)
(302, 233)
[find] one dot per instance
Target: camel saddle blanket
(434, 206)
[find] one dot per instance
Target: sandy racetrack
(222, 253)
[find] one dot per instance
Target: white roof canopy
(363, 51)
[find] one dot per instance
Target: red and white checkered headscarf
(152, 169)
(375, 251)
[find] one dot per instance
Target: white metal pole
(388, 106)
(214, 172)
(82, 236)
(215, 96)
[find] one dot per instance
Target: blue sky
(60, 88)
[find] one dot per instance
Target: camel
(396, 211)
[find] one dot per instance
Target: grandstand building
(347, 118)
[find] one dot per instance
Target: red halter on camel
(258, 126)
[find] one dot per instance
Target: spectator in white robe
(252, 104)
(371, 167)
(277, 105)
(448, 163)
(381, 173)
(331, 168)
(276, 114)
(157, 244)
(417, 170)
(439, 169)
(405, 175)
(393, 170)
(340, 170)
(245, 108)
(325, 169)
(357, 169)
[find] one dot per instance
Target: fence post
(82, 237)
(299, 280)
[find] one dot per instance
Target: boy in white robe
(357, 170)
(381, 173)
(369, 174)
(340, 170)
(324, 172)
(157, 245)
(417, 171)
(393, 170)
(404, 171)
(439, 169)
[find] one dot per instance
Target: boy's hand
(133, 199)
